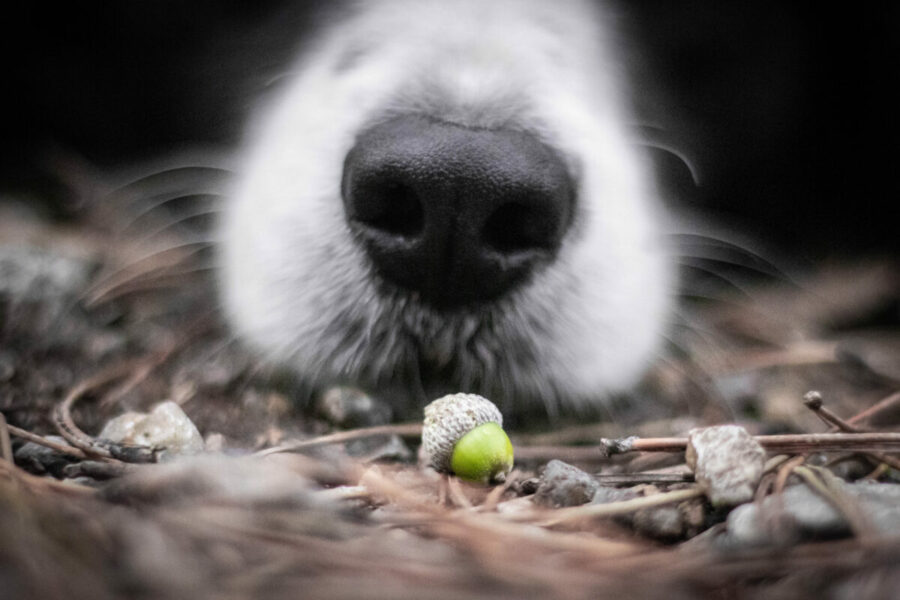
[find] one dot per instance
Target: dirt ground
(116, 311)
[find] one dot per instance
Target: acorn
(463, 434)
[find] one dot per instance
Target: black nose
(456, 214)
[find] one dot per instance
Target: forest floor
(99, 317)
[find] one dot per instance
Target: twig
(343, 492)
(823, 483)
(493, 498)
(813, 400)
(136, 370)
(37, 439)
(766, 483)
(784, 471)
(787, 443)
(774, 462)
(6, 452)
(99, 470)
(461, 524)
(877, 472)
(65, 425)
(566, 453)
(403, 429)
(876, 409)
(612, 509)
(10, 471)
(456, 493)
(802, 353)
(639, 478)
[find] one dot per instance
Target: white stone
(166, 427)
(727, 462)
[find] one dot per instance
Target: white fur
(299, 289)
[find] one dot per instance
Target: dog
(445, 197)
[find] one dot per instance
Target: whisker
(151, 206)
(651, 138)
(170, 170)
(184, 218)
(742, 288)
(754, 260)
(126, 272)
(690, 260)
(155, 283)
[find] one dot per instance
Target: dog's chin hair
(413, 352)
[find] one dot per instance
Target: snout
(456, 215)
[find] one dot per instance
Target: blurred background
(787, 111)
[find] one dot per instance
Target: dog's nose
(458, 215)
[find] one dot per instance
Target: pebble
(562, 484)
(727, 462)
(39, 459)
(606, 494)
(379, 448)
(662, 522)
(166, 426)
(350, 408)
(33, 274)
(802, 514)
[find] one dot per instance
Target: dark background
(788, 110)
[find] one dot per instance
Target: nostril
(521, 226)
(388, 206)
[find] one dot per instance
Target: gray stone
(349, 407)
(606, 494)
(662, 522)
(39, 459)
(564, 485)
(801, 513)
(30, 273)
(380, 448)
(727, 462)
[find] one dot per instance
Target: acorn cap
(448, 419)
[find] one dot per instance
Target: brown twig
(402, 429)
(784, 471)
(612, 509)
(456, 493)
(566, 453)
(879, 407)
(785, 443)
(136, 370)
(640, 478)
(493, 498)
(37, 439)
(813, 400)
(62, 412)
(824, 483)
(802, 353)
(33, 482)
(462, 524)
(6, 452)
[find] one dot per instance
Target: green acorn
(463, 434)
